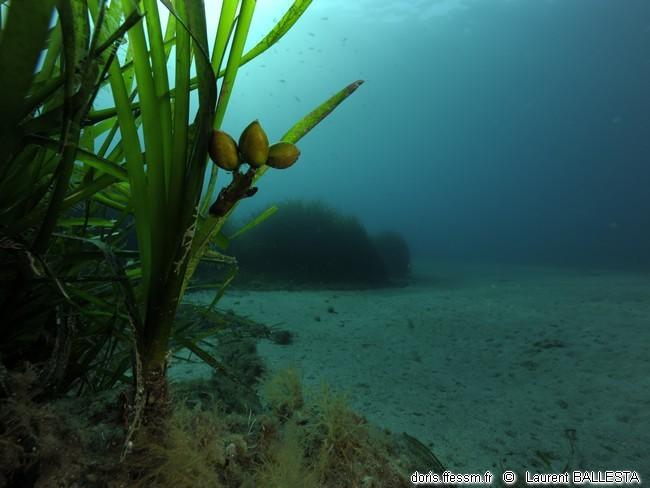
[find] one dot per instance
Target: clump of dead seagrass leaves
(254, 150)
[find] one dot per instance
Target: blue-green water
(508, 130)
(509, 142)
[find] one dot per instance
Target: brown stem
(239, 188)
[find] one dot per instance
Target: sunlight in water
(389, 11)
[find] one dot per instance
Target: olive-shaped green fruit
(282, 155)
(254, 145)
(223, 151)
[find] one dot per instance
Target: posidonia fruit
(254, 145)
(223, 151)
(282, 155)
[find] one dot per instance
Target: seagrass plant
(147, 155)
(56, 298)
(166, 170)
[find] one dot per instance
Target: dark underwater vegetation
(445, 265)
(309, 243)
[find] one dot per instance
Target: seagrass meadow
(323, 243)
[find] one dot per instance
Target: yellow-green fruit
(254, 145)
(223, 151)
(282, 155)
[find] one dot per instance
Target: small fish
(297, 99)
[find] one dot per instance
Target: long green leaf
(86, 157)
(109, 38)
(200, 45)
(198, 153)
(280, 29)
(80, 221)
(307, 123)
(22, 41)
(75, 27)
(224, 31)
(53, 51)
(181, 117)
(234, 59)
(161, 87)
(313, 118)
(203, 354)
(135, 168)
(255, 222)
(41, 94)
(152, 131)
(222, 289)
(76, 37)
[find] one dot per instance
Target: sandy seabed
(491, 366)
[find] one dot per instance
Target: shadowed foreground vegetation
(89, 324)
(289, 439)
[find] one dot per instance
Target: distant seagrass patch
(309, 243)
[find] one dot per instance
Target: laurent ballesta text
(584, 477)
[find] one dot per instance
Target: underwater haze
(444, 271)
(492, 130)
(508, 141)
